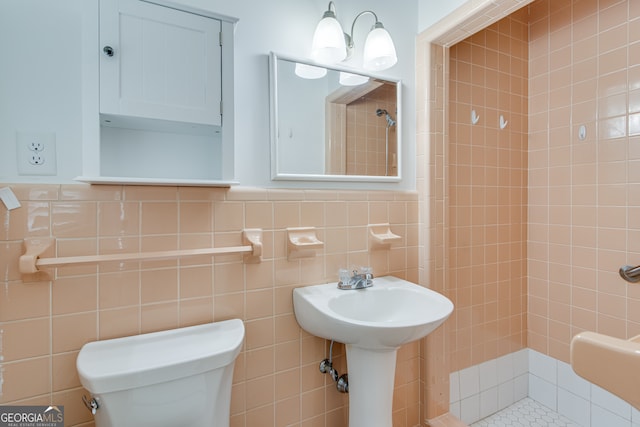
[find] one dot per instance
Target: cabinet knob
(108, 50)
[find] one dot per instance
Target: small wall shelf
(381, 237)
(302, 242)
(118, 180)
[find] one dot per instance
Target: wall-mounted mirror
(333, 124)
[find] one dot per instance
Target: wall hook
(503, 122)
(474, 117)
(582, 132)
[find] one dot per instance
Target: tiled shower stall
(543, 209)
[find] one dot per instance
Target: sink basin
(387, 315)
(609, 362)
(372, 323)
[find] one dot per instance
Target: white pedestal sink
(373, 323)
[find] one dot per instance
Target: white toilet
(181, 377)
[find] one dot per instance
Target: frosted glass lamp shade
(328, 46)
(309, 71)
(349, 79)
(379, 51)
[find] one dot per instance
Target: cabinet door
(164, 64)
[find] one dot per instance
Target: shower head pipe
(381, 112)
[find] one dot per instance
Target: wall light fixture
(331, 44)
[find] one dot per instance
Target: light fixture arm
(349, 37)
(331, 13)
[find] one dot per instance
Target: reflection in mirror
(333, 124)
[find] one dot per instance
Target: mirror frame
(277, 175)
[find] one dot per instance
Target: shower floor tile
(525, 413)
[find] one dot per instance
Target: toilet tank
(162, 378)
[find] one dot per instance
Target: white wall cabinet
(157, 76)
(159, 63)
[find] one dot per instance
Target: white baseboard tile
(482, 390)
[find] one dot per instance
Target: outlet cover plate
(46, 163)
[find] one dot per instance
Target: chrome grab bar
(630, 273)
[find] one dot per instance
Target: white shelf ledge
(119, 180)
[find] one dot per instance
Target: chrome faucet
(358, 280)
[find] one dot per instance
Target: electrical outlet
(36, 145)
(36, 159)
(36, 152)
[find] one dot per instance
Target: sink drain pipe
(326, 366)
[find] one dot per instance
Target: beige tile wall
(487, 192)
(472, 184)
(366, 134)
(583, 194)
(432, 153)
(44, 320)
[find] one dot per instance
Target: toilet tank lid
(141, 360)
